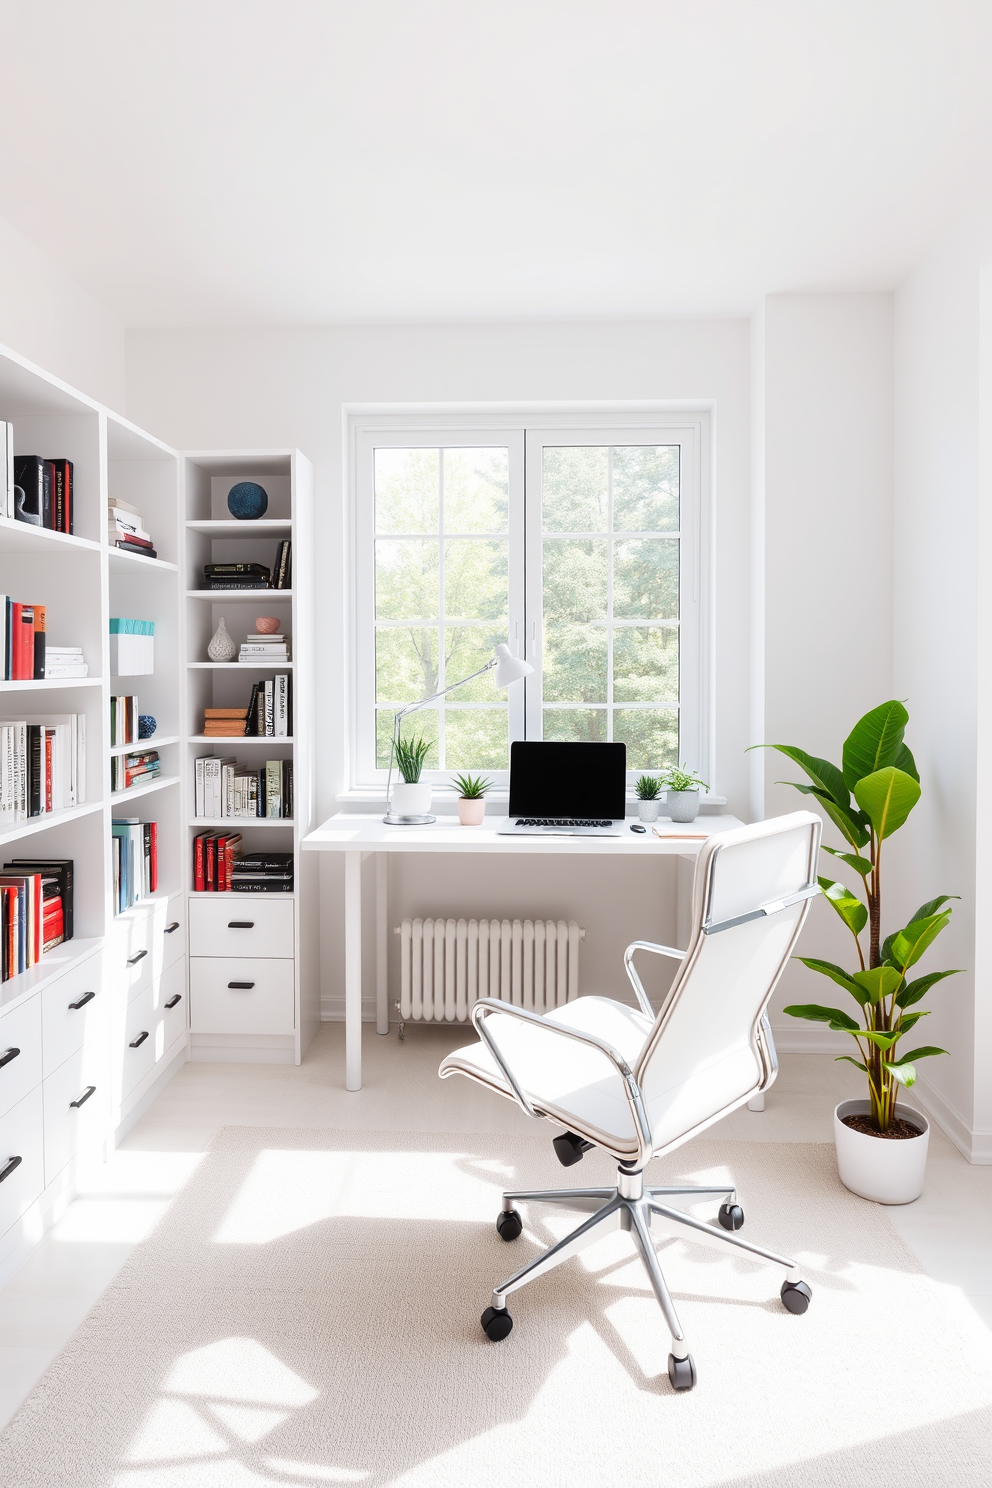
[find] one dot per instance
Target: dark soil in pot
(898, 1130)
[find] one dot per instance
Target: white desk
(359, 835)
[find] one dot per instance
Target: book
(34, 476)
(130, 545)
(57, 871)
(273, 787)
(39, 642)
(116, 504)
(258, 570)
(235, 582)
(283, 568)
(64, 514)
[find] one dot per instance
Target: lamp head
(510, 668)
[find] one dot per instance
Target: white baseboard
(797, 1037)
(133, 1115)
(975, 1146)
(332, 1010)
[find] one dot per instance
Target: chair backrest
(751, 895)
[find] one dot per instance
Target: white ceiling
(225, 162)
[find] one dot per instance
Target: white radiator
(446, 965)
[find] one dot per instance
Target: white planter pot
(889, 1170)
(648, 810)
(471, 810)
(410, 800)
(683, 806)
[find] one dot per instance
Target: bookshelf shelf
(240, 596)
(21, 537)
(240, 666)
(241, 821)
(142, 744)
(124, 561)
(233, 527)
(120, 798)
(51, 684)
(228, 894)
(239, 739)
(50, 819)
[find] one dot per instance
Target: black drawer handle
(86, 997)
(7, 1056)
(241, 986)
(241, 924)
(169, 928)
(137, 1043)
(82, 1099)
(133, 960)
(174, 1001)
(9, 1166)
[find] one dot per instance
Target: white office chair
(639, 1085)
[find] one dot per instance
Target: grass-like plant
(684, 779)
(880, 771)
(410, 756)
(471, 787)
(648, 788)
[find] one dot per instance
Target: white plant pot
(410, 800)
(648, 810)
(683, 806)
(889, 1170)
(471, 810)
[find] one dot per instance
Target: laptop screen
(561, 780)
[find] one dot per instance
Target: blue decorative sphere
(146, 725)
(247, 501)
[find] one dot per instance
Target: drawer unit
(153, 1020)
(76, 1102)
(145, 942)
(235, 995)
(229, 926)
(22, 1166)
(20, 1052)
(74, 1012)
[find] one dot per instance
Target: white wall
(51, 320)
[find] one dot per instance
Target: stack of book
(42, 766)
(123, 720)
(55, 875)
(65, 662)
(23, 647)
(46, 495)
(236, 576)
(133, 769)
(135, 853)
(284, 565)
(132, 647)
(222, 788)
(214, 857)
(125, 530)
(263, 873)
(221, 723)
(270, 708)
(259, 648)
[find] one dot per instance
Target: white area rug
(307, 1313)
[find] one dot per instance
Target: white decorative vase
(410, 800)
(471, 810)
(889, 1170)
(683, 806)
(648, 810)
(222, 647)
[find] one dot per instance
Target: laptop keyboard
(560, 821)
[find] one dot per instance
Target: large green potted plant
(881, 1149)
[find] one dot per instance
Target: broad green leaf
(847, 905)
(874, 742)
(908, 945)
(878, 982)
(924, 1052)
(860, 865)
(906, 1022)
(825, 776)
(904, 761)
(847, 1059)
(839, 1021)
(931, 907)
(851, 824)
(888, 797)
(903, 1074)
(836, 974)
(913, 991)
(881, 1040)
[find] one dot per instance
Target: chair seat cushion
(572, 1083)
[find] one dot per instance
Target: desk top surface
(367, 832)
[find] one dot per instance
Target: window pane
(423, 724)
(574, 580)
(406, 490)
(584, 725)
(405, 664)
(650, 734)
(575, 482)
(575, 660)
(476, 739)
(476, 490)
(646, 665)
(406, 580)
(646, 488)
(466, 649)
(476, 580)
(646, 579)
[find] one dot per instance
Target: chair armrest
(486, 1005)
(634, 979)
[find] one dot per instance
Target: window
(578, 545)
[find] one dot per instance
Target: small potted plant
(471, 798)
(411, 795)
(682, 793)
(647, 790)
(881, 1150)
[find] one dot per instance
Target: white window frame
(525, 431)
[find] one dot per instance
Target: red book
(153, 857)
(49, 743)
(198, 862)
(232, 850)
(210, 866)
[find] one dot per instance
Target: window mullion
(609, 592)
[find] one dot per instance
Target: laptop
(566, 790)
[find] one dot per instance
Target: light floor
(120, 1201)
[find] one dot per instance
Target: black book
(34, 476)
(265, 862)
(129, 547)
(211, 570)
(287, 789)
(63, 495)
(251, 717)
(283, 573)
(36, 769)
(235, 581)
(277, 886)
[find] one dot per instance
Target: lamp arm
(422, 703)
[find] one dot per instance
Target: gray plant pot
(683, 806)
(648, 810)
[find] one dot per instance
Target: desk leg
(353, 970)
(381, 943)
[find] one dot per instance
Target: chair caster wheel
(496, 1325)
(508, 1224)
(682, 1372)
(731, 1216)
(796, 1296)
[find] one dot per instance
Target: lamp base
(408, 821)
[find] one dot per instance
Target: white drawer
(232, 995)
(230, 926)
(74, 1012)
(21, 1136)
(20, 1051)
(77, 1104)
(144, 942)
(152, 1022)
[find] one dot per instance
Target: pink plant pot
(471, 811)
(267, 624)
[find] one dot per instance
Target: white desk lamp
(508, 669)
